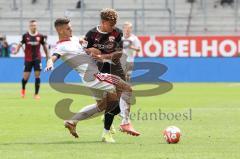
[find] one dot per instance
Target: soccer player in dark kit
(108, 39)
(32, 41)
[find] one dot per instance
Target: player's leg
(37, 84)
(85, 113)
(125, 102)
(125, 92)
(37, 72)
(98, 89)
(89, 111)
(126, 125)
(125, 107)
(128, 71)
(121, 86)
(111, 110)
(26, 75)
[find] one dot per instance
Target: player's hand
(49, 65)
(92, 51)
(131, 47)
(134, 48)
(83, 42)
(97, 57)
(14, 52)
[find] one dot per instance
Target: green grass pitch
(29, 129)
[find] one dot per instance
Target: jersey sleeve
(119, 40)
(88, 38)
(43, 40)
(58, 51)
(23, 40)
(137, 42)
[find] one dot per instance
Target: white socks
(125, 108)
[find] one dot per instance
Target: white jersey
(127, 42)
(72, 53)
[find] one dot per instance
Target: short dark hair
(32, 21)
(61, 21)
(110, 15)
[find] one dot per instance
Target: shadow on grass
(58, 143)
(50, 143)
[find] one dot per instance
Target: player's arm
(137, 49)
(87, 41)
(97, 55)
(51, 61)
(112, 56)
(17, 49)
(45, 47)
(19, 45)
(117, 54)
(136, 45)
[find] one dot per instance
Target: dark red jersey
(32, 46)
(106, 42)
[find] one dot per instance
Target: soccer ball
(172, 134)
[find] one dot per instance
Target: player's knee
(102, 107)
(101, 104)
(116, 110)
(112, 97)
(37, 75)
(129, 88)
(25, 78)
(113, 107)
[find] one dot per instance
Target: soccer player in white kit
(131, 45)
(102, 85)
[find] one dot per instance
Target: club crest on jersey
(97, 39)
(38, 38)
(111, 38)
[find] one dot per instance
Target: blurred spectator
(34, 1)
(227, 2)
(191, 1)
(79, 4)
(4, 47)
(15, 5)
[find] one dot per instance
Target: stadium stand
(161, 17)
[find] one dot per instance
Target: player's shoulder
(134, 37)
(41, 35)
(25, 34)
(93, 30)
(59, 47)
(118, 30)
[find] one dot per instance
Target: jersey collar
(29, 32)
(63, 40)
(98, 29)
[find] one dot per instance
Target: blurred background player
(4, 47)
(32, 41)
(108, 39)
(131, 46)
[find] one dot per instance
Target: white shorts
(103, 84)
